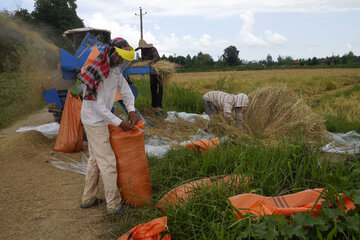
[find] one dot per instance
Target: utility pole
(141, 22)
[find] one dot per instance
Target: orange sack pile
(148, 231)
(70, 135)
(203, 145)
(287, 204)
(132, 166)
(182, 193)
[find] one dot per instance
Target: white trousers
(102, 159)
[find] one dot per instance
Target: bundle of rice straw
(219, 126)
(163, 68)
(274, 112)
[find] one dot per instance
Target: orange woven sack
(287, 204)
(182, 193)
(92, 56)
(132, 166)
(148, 231)
(204, 144)
(70, 135)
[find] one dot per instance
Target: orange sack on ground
(180, 194)
(70, 135)
(287, 204)
(148, 231)
(204, 144)
(132, 166)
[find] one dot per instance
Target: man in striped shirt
(217, 101)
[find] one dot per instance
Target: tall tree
(231, 56)
(24, 15)
(60, 14)
(280, 60)
(205, 59)
(269, 60)
(289, 61)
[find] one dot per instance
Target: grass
(331, 93)
(339, 123)
(289, 167)
(175, 98)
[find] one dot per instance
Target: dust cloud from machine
(34, 55)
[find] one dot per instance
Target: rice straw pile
(163, 68)
(272, 113)
(276, 111)
(219, 126)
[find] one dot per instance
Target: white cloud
(130, 33)
(230, 8)
(166, 44)
(125, 9)
(156, 27)
(184, 45)
(246, 34)
(348, 46)
(275, 38)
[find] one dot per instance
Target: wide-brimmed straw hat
(143, 44)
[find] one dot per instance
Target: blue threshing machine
(84, 40)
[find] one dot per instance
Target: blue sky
(300, 29)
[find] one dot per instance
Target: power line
(141, 22)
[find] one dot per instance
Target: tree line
(230, 58)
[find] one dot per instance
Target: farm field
(298, 107)
(288, 166)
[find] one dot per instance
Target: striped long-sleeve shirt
(227, 102)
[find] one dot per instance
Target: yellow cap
(125, 54)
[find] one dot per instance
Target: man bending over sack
(217, 101)
(102, 78)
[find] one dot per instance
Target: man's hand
(133, 118)
(229, 119)
(127, 126)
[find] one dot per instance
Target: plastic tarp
(157, 146)
(46, 129)
(172, 116)
(343, 143)
(72, 165)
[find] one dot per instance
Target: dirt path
(37, 200)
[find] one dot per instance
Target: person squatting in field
(217, 101)
(102, 78)
(149, 52)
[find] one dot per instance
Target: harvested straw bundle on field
(276, 111)
(163, 68)
(272, 113)
(220, 127)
